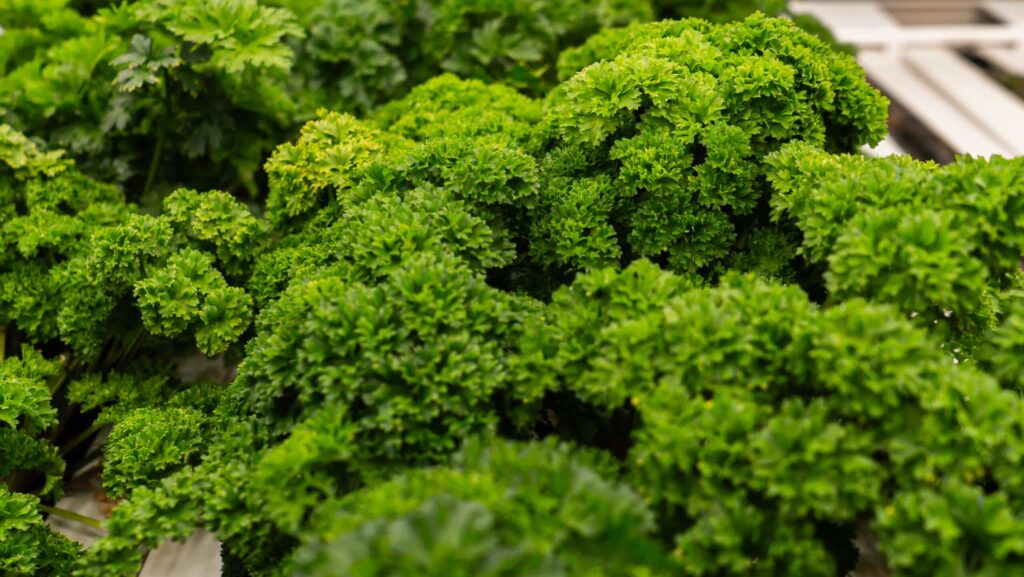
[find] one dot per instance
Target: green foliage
(27, 546)
(596, 312)
(31, 26)
(25, 414)
(938, 242)
(142, 86)
(1000, 350)
(374, 238)
(158, 267)
(48, 210)
(656, 148)
(149, 444)
(378, 377)
(86, 275)
(405, 350)
(115, 394)
(218, 224)
(172, 509)
(167, 93)
(448, 106)
(456, 134)
(730, 10)
(403, 370)
(381, 344)
(448, 170)
(164, 93)
(763, 420)
(359, 54)
(320, 163)
(670, 309)
(26, 159)
(500, 509)
(517, 40)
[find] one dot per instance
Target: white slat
(992, 105)
(966, 36)
(869, 25)
(929, 106)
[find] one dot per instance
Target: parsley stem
(65, 373)
(154, 163)
(81, 438)
(71, 515)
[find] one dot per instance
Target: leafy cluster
(653, 110)
(167, 93)
(380, 345)
(137, 92)
(498, 509)
(162, 93)
(28, 548)
(26, 413)
(769, 430)
(147, 444)
(106, 289)
(29, 463)
(77, 258)
(358, 54)
(448, 168)
(941, 243)
(386, 337)
(148, 270)
(609, 307)
(141, 87)
(48, 210)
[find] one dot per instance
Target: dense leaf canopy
(494, 288)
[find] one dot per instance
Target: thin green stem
(66, 369)
(133, 347)
(81, 438)
(71, 515)
(3, 341)
(91, 464)
(154, 163)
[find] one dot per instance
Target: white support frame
(1009, 60)
(920, 67)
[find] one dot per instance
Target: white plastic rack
(919, 61)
